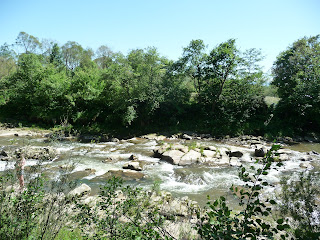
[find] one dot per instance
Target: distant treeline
(221, 91)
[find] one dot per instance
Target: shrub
(298, 202)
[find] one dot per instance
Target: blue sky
(271, 25)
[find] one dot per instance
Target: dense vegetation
(221, 91)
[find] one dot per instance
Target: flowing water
(196, 181)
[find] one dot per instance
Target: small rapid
(91, 160)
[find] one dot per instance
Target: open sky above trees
(167, 25)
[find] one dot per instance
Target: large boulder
(81, 190)
(81, 174)
(189, 158)
(133, 165)
(211, 148)
(159, 151)
(259, 152)
(237, 154)
(186, 137)
(209, 153)
(172, 156)
(180, 147)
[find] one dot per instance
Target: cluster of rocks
(182, 155)
(29, 152)
(184, 136)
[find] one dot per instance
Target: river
(196, 181)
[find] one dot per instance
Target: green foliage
(252, 222)
(7, 61)
(297, 77)
(219, 91)
(38, 211)
(28, 43)
(298, 202)
(122, 213)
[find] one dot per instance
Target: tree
(47, 46)
(221, 66)
(7, 60)
(55, 56)
(148, 70)
(72, 54)
(297, 76)
(29, 43)
(192, 63)
(104, 56)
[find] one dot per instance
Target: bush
(298, 202)
(37, 212)
(121, 213)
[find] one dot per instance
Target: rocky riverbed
(183, 164)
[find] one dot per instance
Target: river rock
(305, 157)
(237, 154)
(4, 156)
(285, 151)
(159, 151)
(81, 190)
(186, 137)
(189, 158)
(81, 174)
(209, 153)
(124, 174)
(3, 153)
(176, 208)
(172, 156)
(133, 157)
(211, 148)
(234, 161)
(282, 157)
(133, 165)
(180, 147)
(109, 159)
(38, 153)
(115, 140)
(154, 136)
(259, 152)
(224, 160)
(306, 165)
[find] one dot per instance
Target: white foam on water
(221, 179)
(100, 168)
(125, 144)
(97, 153)
(64, 148)
(181, 187)
(146, 158)
(151, 143)
(6, 165)
(11, 164)
(247, 157)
